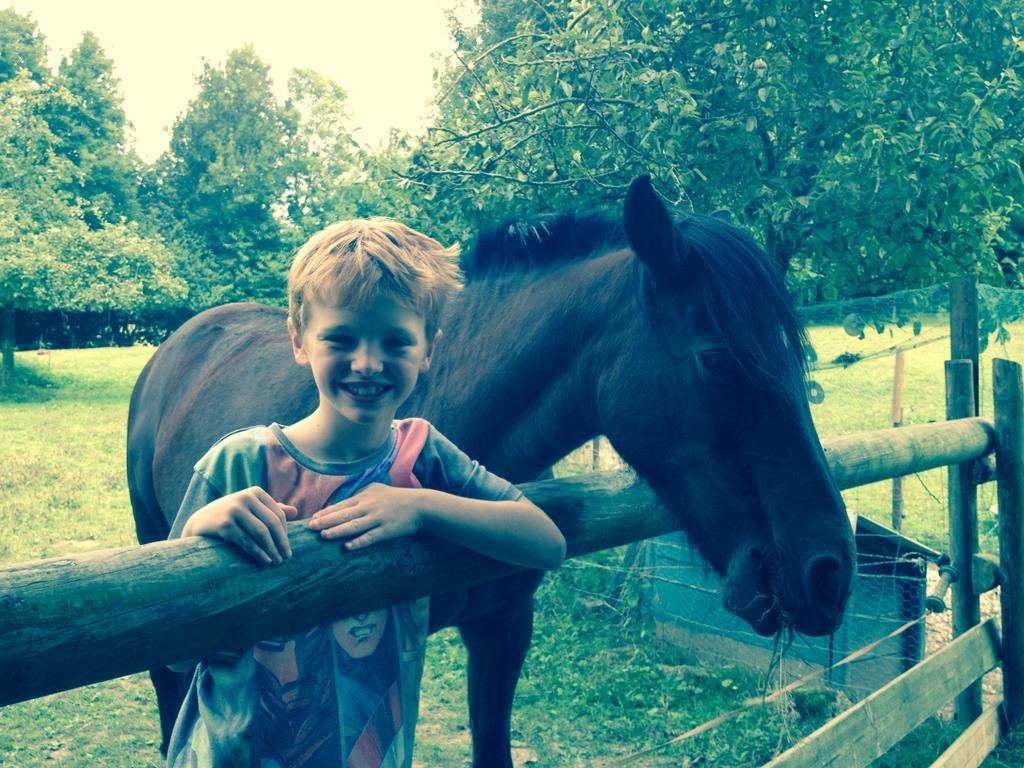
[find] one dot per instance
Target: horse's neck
(513, 380)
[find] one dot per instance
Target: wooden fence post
(963, 326)
(7, 340)
(1009, 417)
(963, 529)
(897, 421)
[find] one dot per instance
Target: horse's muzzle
(756, 593)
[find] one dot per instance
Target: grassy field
(595, 687)
(62, 490)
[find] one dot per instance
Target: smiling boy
(365, 299)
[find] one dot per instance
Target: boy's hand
(249, 519)
(377, 513)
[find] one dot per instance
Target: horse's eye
(718, 363)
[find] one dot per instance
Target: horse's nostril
(822, 579)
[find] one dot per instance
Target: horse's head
(712, 412)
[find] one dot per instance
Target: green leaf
(853, 325)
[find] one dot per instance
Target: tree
(30, 201)
(323, 161)
(22, 47)
(226, 177)
(91, 129)
(49, 258)
(71, 267)
(113, 268)
(871, 145)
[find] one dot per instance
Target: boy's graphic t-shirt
(343, 694)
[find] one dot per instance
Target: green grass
(62, 476)
(62, 490)
(860, 397)
(595, 685)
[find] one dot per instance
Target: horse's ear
(651, 232)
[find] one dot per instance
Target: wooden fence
(74, 620)
(867, 730)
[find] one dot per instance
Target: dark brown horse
(674, 337)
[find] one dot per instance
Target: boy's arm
(225, 499)
(459, 499)
(192, 520)
(200, 492)
(516, 531)
(250, 519)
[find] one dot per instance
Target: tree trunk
(7, 335)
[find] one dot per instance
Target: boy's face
(365, 360)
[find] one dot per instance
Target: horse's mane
(746, 300)
(743, 291)
(522, 245)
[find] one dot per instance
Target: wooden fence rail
(869, 729)
(74, 620)
(867, 457)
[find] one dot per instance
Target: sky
(383, 52)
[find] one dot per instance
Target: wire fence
(667, 583)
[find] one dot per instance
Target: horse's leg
(151, 526)
(496, 647)
(171, 688)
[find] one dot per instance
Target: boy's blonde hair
(352, 261)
